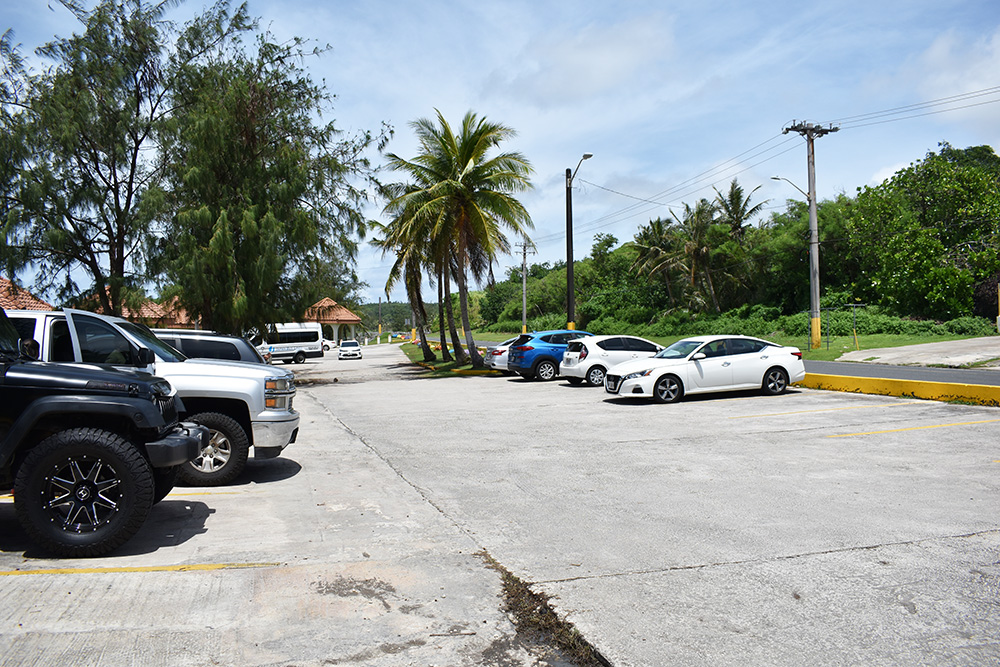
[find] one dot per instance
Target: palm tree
(658, 246)
(735, 209)
(694, 229)
(460, 200)
(411, 259)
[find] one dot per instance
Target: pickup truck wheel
(83, 492)
(223, 458)
(164, 480)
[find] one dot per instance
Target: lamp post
(814, 311)
(570, 294)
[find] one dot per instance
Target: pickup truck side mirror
(144, 356)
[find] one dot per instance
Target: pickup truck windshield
(142, 334)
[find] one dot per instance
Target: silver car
(496, 355)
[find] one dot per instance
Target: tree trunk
(463, 302)
(445, 354)
(460, 357)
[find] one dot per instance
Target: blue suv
(537, 355)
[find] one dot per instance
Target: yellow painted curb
(934, 391)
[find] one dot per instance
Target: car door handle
(725, 363)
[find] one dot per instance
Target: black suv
(88, 450)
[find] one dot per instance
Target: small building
(338, 322)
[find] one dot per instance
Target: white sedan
(588, 359)
(705, 364)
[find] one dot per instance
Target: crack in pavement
(807, 554)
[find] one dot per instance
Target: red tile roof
(328, 311)
(13, 297)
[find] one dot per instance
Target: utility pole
(810, 131)
(524, 284)
(570, 285)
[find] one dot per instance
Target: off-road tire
(223, 458)
(83, 492)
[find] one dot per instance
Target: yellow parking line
(849, 407)
(204, 567)
(914, 428)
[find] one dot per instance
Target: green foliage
(262, 209)
(923, 238)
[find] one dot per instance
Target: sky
(672, 99)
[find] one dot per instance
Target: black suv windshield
(8, 337)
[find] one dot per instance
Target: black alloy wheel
(83, 492)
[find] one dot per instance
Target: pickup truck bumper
(179, 446)
(272, 432)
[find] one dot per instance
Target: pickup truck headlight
(278, 393)
(279, 385)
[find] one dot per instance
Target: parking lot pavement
(323, 556)
(811, 528)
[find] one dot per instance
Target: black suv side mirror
(30, 348)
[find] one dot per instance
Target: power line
(723, 171)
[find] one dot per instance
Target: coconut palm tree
(693, 229)
(735, 209)
(461, 199)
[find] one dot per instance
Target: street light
(814, 309)
(570, 295)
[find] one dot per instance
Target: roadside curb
(935, 391)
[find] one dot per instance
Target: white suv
(588, 359)
(349, 349)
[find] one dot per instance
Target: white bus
(292, 341)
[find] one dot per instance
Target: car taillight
(583, 354)
(496, 353)
(797, 355)
(523, 348)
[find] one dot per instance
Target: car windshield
(350, 343)
(147, 339)
(680, 349)
(8, 338)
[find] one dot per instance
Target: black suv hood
(80, 377)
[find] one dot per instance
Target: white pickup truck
(243, 405)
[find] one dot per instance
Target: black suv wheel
(83, 492)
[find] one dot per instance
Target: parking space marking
(914, 428)
(204, 567)
(847, 407)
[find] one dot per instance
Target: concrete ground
(811, 528)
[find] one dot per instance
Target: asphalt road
(811, 528)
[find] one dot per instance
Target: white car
(349, 349)
(328, 344)
(496, 356)
(588, 359)
(708, 363)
